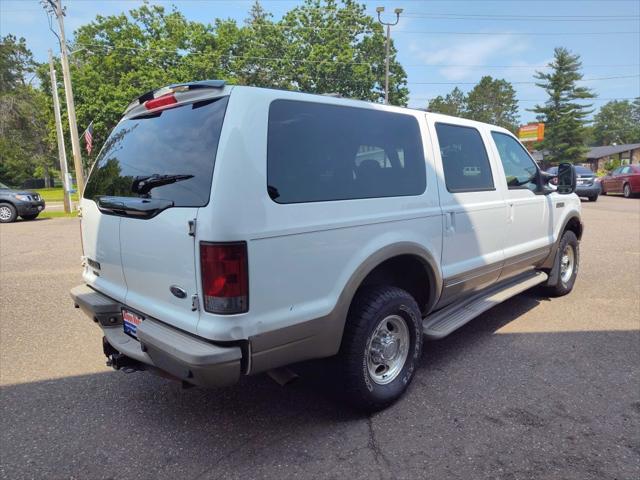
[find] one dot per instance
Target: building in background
(626, 154)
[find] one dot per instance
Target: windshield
(173, 151)
(3, 186)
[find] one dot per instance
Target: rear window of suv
(319, 152)
(176, 141)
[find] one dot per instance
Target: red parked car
(625, 180)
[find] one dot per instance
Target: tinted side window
(176, 141)
(318, 152)
(519, 169)
(464, 159)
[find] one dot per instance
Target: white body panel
(474, 222)
(101, 243)
(156, 254)
(301, 256)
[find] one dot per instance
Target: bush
(611, 165)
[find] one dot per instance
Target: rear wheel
(626, 191)
(567, 262)
(380, 348)
(8, 213)
(30, 217)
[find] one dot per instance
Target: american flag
(88, 138)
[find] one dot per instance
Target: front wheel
(8, 213)
(593, 198)
(381, 347)
(567, 262)
(30, 217)
(626, 191)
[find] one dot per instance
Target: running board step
(450, 318)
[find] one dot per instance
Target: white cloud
(471, 51)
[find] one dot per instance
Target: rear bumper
(160, 346)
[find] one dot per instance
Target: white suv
(232, 230)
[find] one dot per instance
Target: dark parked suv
(19, 203)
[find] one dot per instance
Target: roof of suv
(197, 90)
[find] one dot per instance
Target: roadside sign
(533, 132)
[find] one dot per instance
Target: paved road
(535, 388)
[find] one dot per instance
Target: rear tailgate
(151, 178)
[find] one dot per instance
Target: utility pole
(62, 154)
(56, 6)
(397, 11)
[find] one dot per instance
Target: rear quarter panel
(300, 255)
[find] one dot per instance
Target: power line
(597, 99)
(519, 18)
(525, 83)
(90, 46)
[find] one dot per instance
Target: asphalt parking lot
(535, 388)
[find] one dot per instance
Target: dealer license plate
(131, 321)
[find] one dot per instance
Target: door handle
(450, 222)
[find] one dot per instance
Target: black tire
(368, 310)
(593, 198)
(564, 286)
(8, 213)
(626, 191)
(30, 217)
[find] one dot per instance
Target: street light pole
(56, 6)
(379, 11)
(62, 154)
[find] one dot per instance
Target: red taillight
(225, 279)
(162, 101)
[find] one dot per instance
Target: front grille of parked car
(585, 180)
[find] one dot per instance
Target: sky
(441, 44)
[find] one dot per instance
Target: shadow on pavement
(482, 405)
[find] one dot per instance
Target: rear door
(164, 159)
(473, 208)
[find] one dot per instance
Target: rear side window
(318, 152)
(177, 141)
(464, 159)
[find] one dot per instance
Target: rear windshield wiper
(144, 184)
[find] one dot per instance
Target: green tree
(615, 123)
(24, 146)
(319, 47)
(454, 103)
(563, 113)
(333, 48)
(493, 101)
(119, 57)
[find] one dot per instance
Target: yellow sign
(533, 132)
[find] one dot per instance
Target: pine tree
(454, 103)
(493, 101)
(563, 114)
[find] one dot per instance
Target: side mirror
(566, 178)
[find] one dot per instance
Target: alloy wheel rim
(5, 213)
(627, 191)
(567, 263)
(388, 349)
